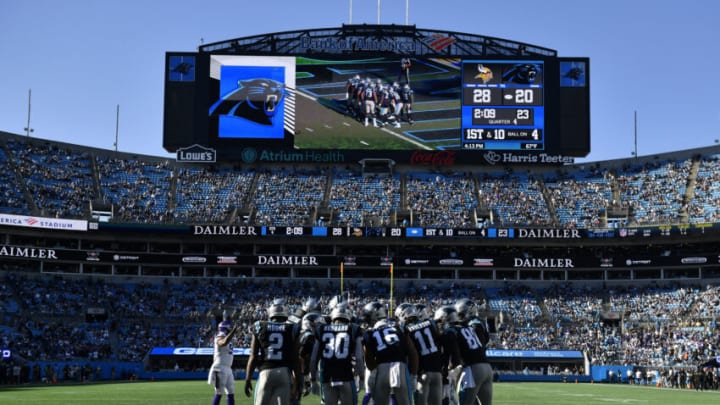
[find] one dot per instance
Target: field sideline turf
(199, 393)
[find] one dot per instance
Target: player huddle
(416, 356)
(374, 101)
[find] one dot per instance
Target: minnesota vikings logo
(484, 73)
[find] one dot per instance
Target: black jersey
(395, 95)
(307, 343)
(336, 352)
(369, 93)
(471, 349)
(426, 337)
(385, 99)
(277, 343)
(406, 95)
(385, 343)
(481, 329)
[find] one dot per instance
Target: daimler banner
(479, 263)
(539, 234)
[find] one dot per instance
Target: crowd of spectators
(355, 197)
(655, 190)
(58, 181)
(288, 197)
(516, 198)
(439, 200)
(643, 326)
(208, 194)
(47, 318)
(705, 204)
(138, 189)
(580, 197)
(12, 200)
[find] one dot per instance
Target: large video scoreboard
(339, 108)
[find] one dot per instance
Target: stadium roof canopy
(392, 39)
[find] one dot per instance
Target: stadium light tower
(635, 153)
(28, 129)
(407, 12)
(117, 126)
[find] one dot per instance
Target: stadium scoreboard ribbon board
(257, 104)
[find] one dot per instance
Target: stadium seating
(44, 317)
(655, 191)
(516, 198)
(705, 204)
(139, 189)
(355, 197)
(208, 195)
(142, 315)
(441, 200)
(44, 178)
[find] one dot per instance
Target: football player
(386, 106)
(391, 357)
(444, 316)
(311, 305)
(339, 353)
(308, 338)
(369, 98)
(469, 315)
(405, 64)
(221, 374)
(274, 352)
(351, 95)
(467, 358)
(406, 98)
(426, 337)
(305, 315)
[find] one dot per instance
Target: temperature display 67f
(503, 105)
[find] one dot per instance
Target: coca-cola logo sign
(435, 158)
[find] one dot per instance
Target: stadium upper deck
(646, 218)
(65, 181)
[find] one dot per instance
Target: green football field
(198, 392)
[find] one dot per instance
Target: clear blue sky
(82, 58)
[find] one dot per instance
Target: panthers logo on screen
(523, 73)
(256, 100)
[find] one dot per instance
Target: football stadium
(355, 166)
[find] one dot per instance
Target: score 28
(509, 96)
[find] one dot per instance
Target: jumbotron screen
(386, 106)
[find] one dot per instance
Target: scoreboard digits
(503, 105)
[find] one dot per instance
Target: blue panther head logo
(262, 94)
(254, 99)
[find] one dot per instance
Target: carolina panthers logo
(255, 99)
(524, 73)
